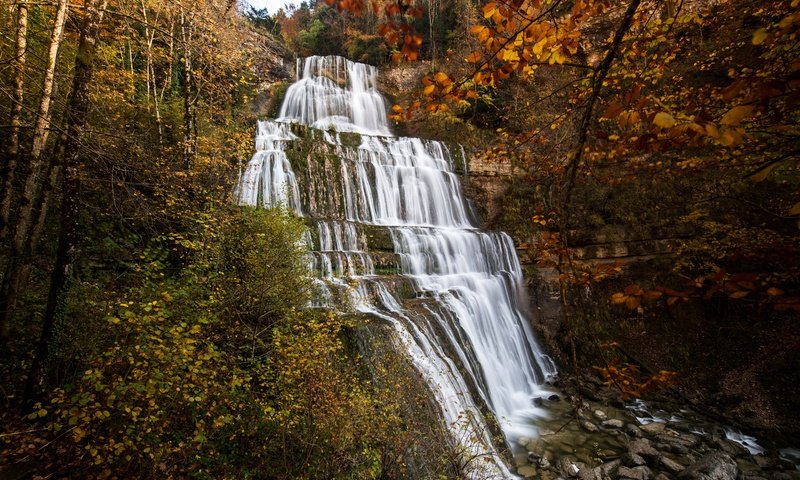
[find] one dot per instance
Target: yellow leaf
(759, 36)
(712, 131)
(795, 210)
(739, 294)
(537, 49)
(429, 89)
(664, 120)
(441, 77)
(735, 115)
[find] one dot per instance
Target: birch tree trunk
(30, 202)
(40, 131)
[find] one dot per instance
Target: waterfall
(465, 329)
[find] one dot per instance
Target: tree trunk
(30, 203)
(40, 130)
(9, 169)
(76, 113)
(189, 127)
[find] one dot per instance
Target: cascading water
(465, 329)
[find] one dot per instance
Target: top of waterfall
(333, 92)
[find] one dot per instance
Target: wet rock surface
(603, 442)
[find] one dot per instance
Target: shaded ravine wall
(727, 367)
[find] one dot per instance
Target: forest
(642, 156)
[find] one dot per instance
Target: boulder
(670, 465)
(632, 460)
(554, 398)
(643, 448)
(714, 466)
(635, 473)
(600, 415)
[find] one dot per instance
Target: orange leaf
(633, 290)
(473, 57)
(652, 294)
(613, 110)
(632, 303)
(618, 298)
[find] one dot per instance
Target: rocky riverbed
(626, 441)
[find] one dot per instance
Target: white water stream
(467, 332)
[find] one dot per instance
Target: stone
(587, 473)
(543, 463)
(589, 426)
(671, 437)
(635, 473)
(679, 449)
(567, 465)
(713, 466)
(538, 402)
(763, 462)
(653, 427)
(633, 430)
(554, 398)
(731, 448)
(527, 471)
(523, 441)
(780, 476)
(547, 475)
(662, 476)
(643, 448)
(632, 460)
(608, 468)
(670, 465)
(613, 423)
(600, 415)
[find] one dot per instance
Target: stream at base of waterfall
(465, 328)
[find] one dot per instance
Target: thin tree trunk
(565, 265)
(189, 127)
(171, 61)
(76, 113)
(40, 130)
(9, 169)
